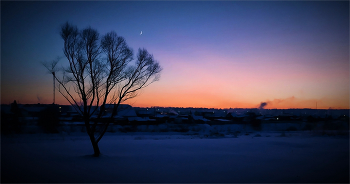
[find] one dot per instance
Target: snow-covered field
(167, 157)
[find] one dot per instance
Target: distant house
(141, 120)
(215, 115)
(33, 110)
(144, 112)
(30, 113)
(124, 112)
(197, 119)
(235, 117)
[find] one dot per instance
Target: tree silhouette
(101, 71)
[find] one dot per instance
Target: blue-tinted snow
(174, 157)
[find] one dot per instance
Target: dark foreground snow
(157, 157)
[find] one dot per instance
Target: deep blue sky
(214, 54)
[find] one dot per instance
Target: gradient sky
(214, 54)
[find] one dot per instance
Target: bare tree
(101, 71)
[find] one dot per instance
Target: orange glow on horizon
(288, 103)
(195, 101)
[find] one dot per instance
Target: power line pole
(53, 76)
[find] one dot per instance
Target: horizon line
(330, 108)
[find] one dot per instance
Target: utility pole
(53, 76)
(51, 67)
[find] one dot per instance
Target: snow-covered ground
(166, 157)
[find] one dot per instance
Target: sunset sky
(213, 54)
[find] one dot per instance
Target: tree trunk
(95, 146)
(96, 149)
(92, 139)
